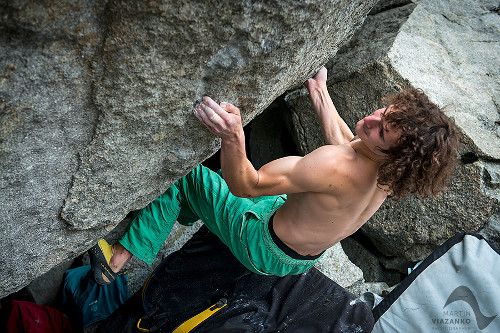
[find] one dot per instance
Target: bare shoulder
(334, 163)
(343, 151)
(345, 167)
(337, 157)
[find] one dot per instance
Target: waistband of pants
(283, 247)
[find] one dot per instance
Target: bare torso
(331, 192)
(311, 222)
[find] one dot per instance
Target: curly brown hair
(424, 156)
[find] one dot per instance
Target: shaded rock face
(47, 116)
(158, 59)
(267, 139)
(96, 98)
(450, 50)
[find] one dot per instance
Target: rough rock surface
(96, 98)
(449, 49)
(336, 265)
(267, 141)
(370, 261)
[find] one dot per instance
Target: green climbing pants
(240, 223)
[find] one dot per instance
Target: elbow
(245, 196)
(242, 193)
(245, 188)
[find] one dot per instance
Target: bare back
(331, 191)
(310, 222)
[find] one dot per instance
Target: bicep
(294, 174)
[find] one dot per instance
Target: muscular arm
(286, 175)
(224, 120)
(333, 126)
(239, 173)
(318, 171)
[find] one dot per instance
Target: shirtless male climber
(280, 219)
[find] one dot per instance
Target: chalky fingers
(208, 117)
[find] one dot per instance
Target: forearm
(334, 128)
(224, 120)
(239, 173)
